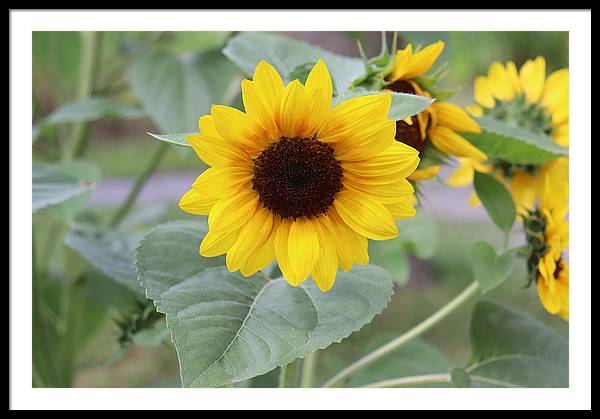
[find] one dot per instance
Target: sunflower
(547, 234)
(440, 122)
(293, 179)
(528, 99)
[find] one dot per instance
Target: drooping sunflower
(547, 233)
(528, 99)
(441, 122)
(293, 179)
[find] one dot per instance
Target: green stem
(89, 57)
(308, 370)
(288, 375)
(142, 178)
(412, 381)
(418, 330)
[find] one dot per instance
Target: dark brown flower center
(297, 177)
(406, 133)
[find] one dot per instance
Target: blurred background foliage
(98, 344)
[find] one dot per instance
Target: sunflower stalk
(416, 331)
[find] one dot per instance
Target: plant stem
(142, 178)
(288, 375)
(308, 370)
(89, 58)
(411, 381)
(419, 329)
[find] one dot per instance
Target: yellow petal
(345, 117)
(532, 76)
(556, 90)
(282, 234)
(223, 181)
(196, 202)
(367, 141)
(351, 246)
(561, 135)
(235, 125)
(295, 111)
(474, 110)
(251, 238)
(365, 215)
(402, 209)
(303, 248)
(207, 127)
(397, 161)
(523, 189)
(386, 193)
(258, 109)
(233, 212)
(216, 243)
(513, 76)
(483, 92)
(463, 175)
(474, 200)
(423, 60)
(217, 151)
(402, 63)
(500, 83)
(269, 83)
(455, 117)
(326, 268)
(425, 174)
(320, 88)
(450, 143)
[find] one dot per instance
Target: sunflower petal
(216, 243)
(223, 181)
(216, 150)
(367, 141)
(500, 83)
(423, 60)
(532, 76)
(326, 268)
(365, 215)
(483, 92)
(233, 212)
(303, 248)
(402, 63)
(320, 88)
(451, 143)
(196, 202)
(295, 111)
(455, 118)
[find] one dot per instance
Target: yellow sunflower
(548, 235)
(293, 179)
(440, 122)
(530, 100)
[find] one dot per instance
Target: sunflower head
(293, 179)
(440, 123)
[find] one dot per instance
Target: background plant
(95, 94)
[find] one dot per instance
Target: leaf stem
(418, 330)
(140, 181)
(308, 370)
(411, 381)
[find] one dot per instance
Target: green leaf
(175, 90)
(414, 358)
(83, 170)
(419, 235)
(403, 104)
(511, 349)
(500, 140)
(460, 378)
(496, 199)
(390, 255)
(111, 252)
(176, 139)
(151, 337)
(287, 54)
(51, 186)
(228, 328)
(490, 269)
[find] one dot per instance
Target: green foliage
(489, 268)
(286, 54)
(403, 104)
(227, 328)
(175, 90)
(513, 144)
(51, 186)
(496, 199)
(511, 349)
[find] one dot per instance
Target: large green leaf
(228, 328)
(496, 199)
(511, 349)
(175, 90)
(414, 358)
(287, 55)
(490, 269)
(419, 234)
(51, 186)
(90, 109)
(501, 140)
(403, 104)
(111, 252)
